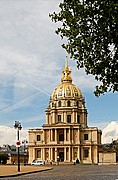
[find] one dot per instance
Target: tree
(90, 27)
(3, 158)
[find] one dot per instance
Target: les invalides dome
(66, 89)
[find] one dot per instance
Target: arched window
(68, 103)
(59, 103)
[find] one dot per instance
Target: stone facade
(107, 157)
(65, 136)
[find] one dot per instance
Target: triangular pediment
(56, 124)
(60, 123)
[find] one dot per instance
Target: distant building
(13, 154)
(65, 137)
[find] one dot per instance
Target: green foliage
(3, 158)
(90, 27)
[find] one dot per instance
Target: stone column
(90, 157)
(72, 135)
(72, 154)
(44, 136)
(65, 117)
(47, 118)
(54, 117)
(55, 154)
(65, 154)
(78, 136)
(65, 135)
(69, 134)
(51, 153)
(34, 155)
(81, 153)
(78, 156)
(76, 116)
(51, 135)
(69, 154)
(73, 117)
(42, 154)
(56, 135)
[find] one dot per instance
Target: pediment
(55, 124)
(60, 123)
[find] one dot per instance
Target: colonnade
(53, 153)
(54, 135)
(53, 117)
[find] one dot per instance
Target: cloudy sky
(31, 61)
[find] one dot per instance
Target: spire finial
(66, 61)
(66, 73)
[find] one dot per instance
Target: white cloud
(110, 132)
(29, 48)
(8, 135)
(31, 60)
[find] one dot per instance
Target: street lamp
(25, 142)
(18, 126)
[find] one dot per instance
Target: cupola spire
(66, 67)
(66, 73)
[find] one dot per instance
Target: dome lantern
(66, 89)
(66, 73)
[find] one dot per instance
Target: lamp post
(25, 142)
(18, 126)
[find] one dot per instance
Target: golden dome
(66, 89)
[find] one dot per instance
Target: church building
(65, 136)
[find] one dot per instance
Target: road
(74, 172)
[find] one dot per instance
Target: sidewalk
(12, 170)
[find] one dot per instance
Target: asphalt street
(75, 172)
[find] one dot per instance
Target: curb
(24, 173)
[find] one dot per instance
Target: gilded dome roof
(66, 89)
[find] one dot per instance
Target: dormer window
(60, 93)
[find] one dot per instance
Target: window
(60, 93)
(69, 118)
(59, 117)
(86, 153)
(68, 103)
(59, 103)
(38, 137)
(39, 153)
(78, 118)
(61, 137)
(85, 136)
